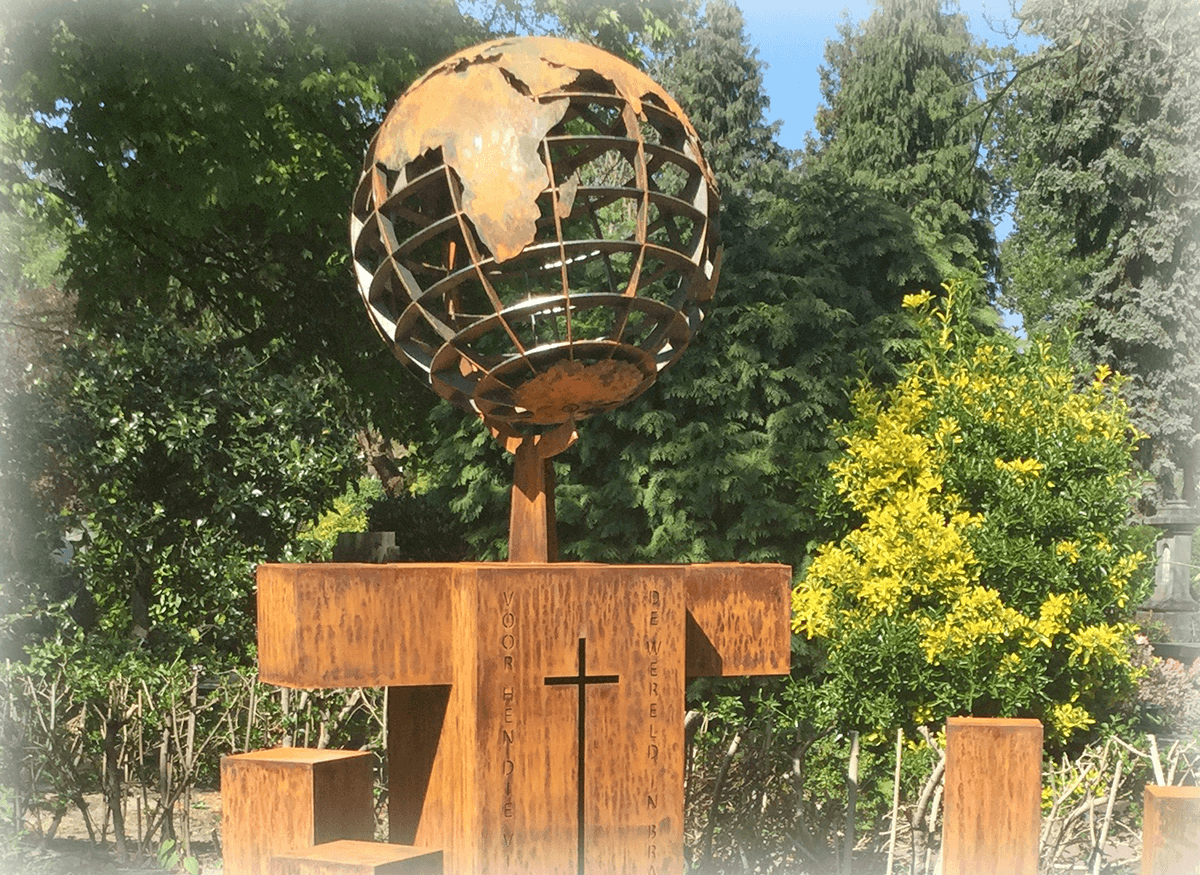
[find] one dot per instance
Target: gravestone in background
(1172, 603)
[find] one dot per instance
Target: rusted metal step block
(992, 814)
(358, 858)
(1171, 831)
(277, 801)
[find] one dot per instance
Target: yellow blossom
(920, 299)
(1065, 718)
(1024, 470)
(1053, 616)
(1010, 663)
(978, 616)
(812, 612)
(1102, 642)
(1122, 571)
(1070, 549)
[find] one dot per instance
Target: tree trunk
(112, 731)
(851, 806)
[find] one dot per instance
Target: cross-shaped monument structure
(535, 708)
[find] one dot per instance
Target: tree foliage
(627, 28)
(194, 155)
(991, 571)
(162, 470)
(1102, 142)
(901, 117)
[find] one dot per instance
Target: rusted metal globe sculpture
(535, 231)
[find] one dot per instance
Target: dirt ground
(71, 852)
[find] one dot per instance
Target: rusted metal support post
(532, 525)
(532, 532)
(993, 796)
(1171, 831)
(275, 801)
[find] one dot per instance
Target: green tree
(991, 571)
(193, 156)
(901, 117)
(628, 28)
(161, 469)
(710, 68)
(1101, 141)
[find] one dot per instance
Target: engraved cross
(580, 682)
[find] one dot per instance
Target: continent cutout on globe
(483, 108)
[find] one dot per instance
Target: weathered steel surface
(359, 627)
(534, 232)
(553, 731)
(358, 858)
(532, 527)
(561, 747)
(993, 795)
(275, 801)
(736, 623)
(1171, 831)
(331, 625)
(416, 728)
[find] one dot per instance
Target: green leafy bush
(161, 465)
(349, 514)
(991, 570)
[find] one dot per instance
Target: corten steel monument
(535, 235)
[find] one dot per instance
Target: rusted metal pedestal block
(1171, 831)
(993, 796)
(358, 858)
(274, 801)
(535, 716)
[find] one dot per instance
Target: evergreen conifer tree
(1102, 142)
(900, 117)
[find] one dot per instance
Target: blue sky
(791, 36)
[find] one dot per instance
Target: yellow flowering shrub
(349, 514)
(990, 570)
